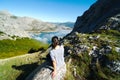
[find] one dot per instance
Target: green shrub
(1, 32)
(113, 56)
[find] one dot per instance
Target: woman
(57, 57)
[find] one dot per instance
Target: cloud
(46, 36)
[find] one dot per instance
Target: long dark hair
(55, 41)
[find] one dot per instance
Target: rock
(4, 36)
(114, 66)
(117, 49)
(74, 72)
(43, 72)
(105, 50)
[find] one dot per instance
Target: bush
(14, 17)
(1, 32)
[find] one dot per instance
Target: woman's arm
(54, 69)
(54, 64)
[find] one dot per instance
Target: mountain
(24, 26)
(104, 14)
(67, 24)
(93, 47)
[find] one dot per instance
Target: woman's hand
(53, 73)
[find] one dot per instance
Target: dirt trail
(2, 61)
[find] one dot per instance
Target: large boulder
(43, 72)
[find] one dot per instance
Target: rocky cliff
(104, 14)
(94, 43)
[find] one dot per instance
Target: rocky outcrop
(4, 36)
(43, 72)
(96, 51)
(104, 14)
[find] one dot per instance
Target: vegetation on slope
(79, 62)
(19, 67)
(1, 32)
(10, 48)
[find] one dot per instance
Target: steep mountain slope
(94, 44)
(103, 14)
(22, 26)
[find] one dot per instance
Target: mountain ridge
(24, 26)
(68, 24)
(97, 16)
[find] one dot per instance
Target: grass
(83, 70)
(15, 62)
(18, 68)
(10, 48)
(69, 73)
(81, 62)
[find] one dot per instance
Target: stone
(43, 72)
(117, 49)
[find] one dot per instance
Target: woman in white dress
(57, 57)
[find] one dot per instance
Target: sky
(47, 10)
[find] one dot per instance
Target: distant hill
(67, 24)
(23, 26)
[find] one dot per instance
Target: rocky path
(27, 56)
